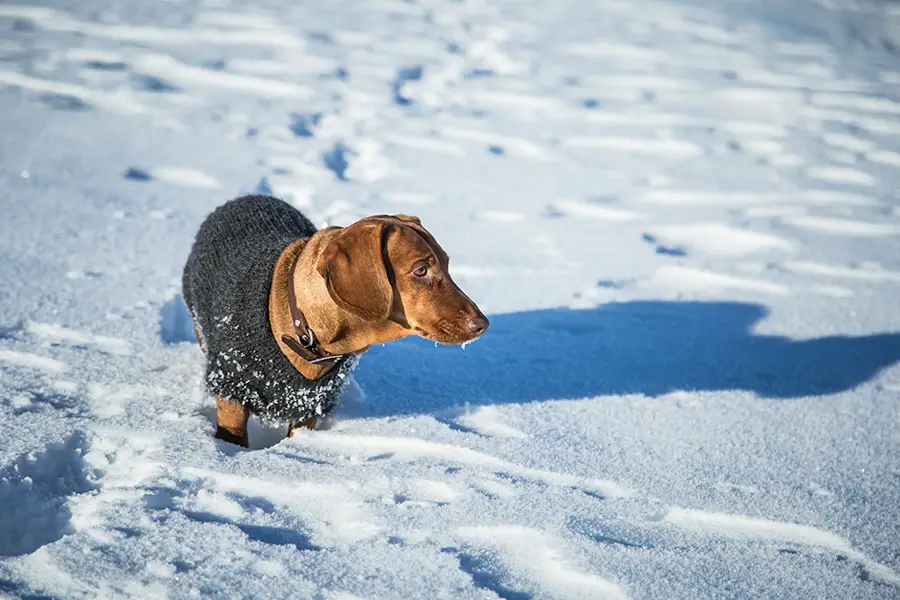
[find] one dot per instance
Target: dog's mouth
(447, 334)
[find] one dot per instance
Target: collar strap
(304, 344)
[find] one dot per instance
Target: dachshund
(283, 310)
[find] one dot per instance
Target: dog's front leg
(310, 423)
(232, 422)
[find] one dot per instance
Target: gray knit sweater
(226, 285)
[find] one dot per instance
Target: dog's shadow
(646, 347)
(176, 325)
(642, 347)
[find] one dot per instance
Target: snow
(744, 527)
(681, 218)
(26, 359)
(839, 226)
(717, 239)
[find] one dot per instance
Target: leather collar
(304, 342)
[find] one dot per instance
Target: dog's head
(390, 269)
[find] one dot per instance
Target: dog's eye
(421, 271)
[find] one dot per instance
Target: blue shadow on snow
(645, 347)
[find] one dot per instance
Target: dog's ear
(352, 265)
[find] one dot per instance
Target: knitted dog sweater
(226, 285)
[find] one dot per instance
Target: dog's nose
(478, 324)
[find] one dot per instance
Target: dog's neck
(281, 320)
(337, 331)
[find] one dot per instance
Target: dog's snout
(478, 324)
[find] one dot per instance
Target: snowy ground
(682, 218)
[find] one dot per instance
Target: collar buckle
(307, 340)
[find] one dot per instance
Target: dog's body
(226, 286)
(259, 269)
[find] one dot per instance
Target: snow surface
(681, 217)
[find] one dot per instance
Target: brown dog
(331, 295)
